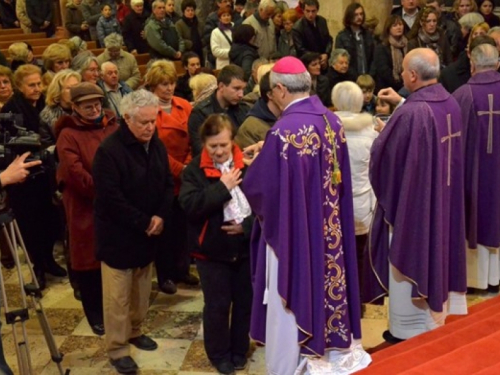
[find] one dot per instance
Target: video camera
(16, 140)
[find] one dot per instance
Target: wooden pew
(143, 58)
(11, 32)
(22, 37)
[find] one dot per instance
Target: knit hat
(85, 91)
(289, 65)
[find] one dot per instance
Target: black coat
(210, 105)
(310, 38)
(243, 55)
(39, 11)
(456, 74)
(323, 90)
(182, 88)
(347, 40)
(131, 186)
(381, 69)
(203, 198)
(31, 114)
(132, 26)
(399, 12)
(335, 77)
(8, 14)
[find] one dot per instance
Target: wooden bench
(22, 37)
(143, 58)
(11, 32)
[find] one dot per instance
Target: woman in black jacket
(388, 62)
(219, 227)
(243, 52)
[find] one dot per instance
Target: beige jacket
(127, 67)
(22, 16)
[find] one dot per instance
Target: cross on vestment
(448, 138)
(490, 113)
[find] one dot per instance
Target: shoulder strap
(225, 36)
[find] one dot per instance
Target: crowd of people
(302, 173)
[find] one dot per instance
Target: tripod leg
(42, 318)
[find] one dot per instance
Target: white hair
(426, 68)
(347, 96)
(156, 2)
(264, 4)
(495, 29)
(136, 2)
(113, 40)
(295, 83)
(484, 57)
(339, 52)
(107, 64)
(132, 102)
(469, 20)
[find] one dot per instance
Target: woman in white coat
(222, 38)
(347, 99)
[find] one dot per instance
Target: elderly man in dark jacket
(133, 28)
(133, 196)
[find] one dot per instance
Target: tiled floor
(173, 321)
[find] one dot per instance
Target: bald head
(420, 68)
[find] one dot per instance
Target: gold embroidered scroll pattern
(307, 141)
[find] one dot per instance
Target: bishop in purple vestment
(479, 100)
(299, 187)
(416, 171)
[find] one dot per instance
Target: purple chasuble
(309, 223)
(416, 170)
(479, 100)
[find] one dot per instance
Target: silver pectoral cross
(448, 138)
(490, 113)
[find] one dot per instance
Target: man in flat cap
(306, 291)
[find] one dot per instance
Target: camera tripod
(18, 317)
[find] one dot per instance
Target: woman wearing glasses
(78, 137)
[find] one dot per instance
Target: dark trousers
(361, 241)
(227, 292)
(172, 262)
(90, 283)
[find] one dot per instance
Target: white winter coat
(220, 47)
(360, 135)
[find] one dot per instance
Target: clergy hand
(389, 95)
(251, 152)
(231, 179)
(232, 228)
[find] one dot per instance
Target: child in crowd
(383, 108)
(107, 24)
(367, 85)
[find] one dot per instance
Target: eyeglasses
(91, 107)
(94, 70)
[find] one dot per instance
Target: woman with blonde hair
(58, 103)
(172, 264)
(6, 88)
(478, 30)
(203, 85)
(56, 57)
(19, 54)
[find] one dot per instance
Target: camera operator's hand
(17, 171)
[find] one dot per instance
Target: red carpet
(465, 345)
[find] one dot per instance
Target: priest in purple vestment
(416, 251)
(306, 306)
(479, 100)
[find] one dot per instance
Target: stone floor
(173, 321)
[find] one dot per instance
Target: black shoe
(40, 277)
(143, 342)
(51, 267)
(471, 290)
(9, 264)
(225, 367)
(239, 362)
(125, 365)
(168, 287)
(387, 335)
(493, 289)
(190, 279)
(77, 294)
(98, 329)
